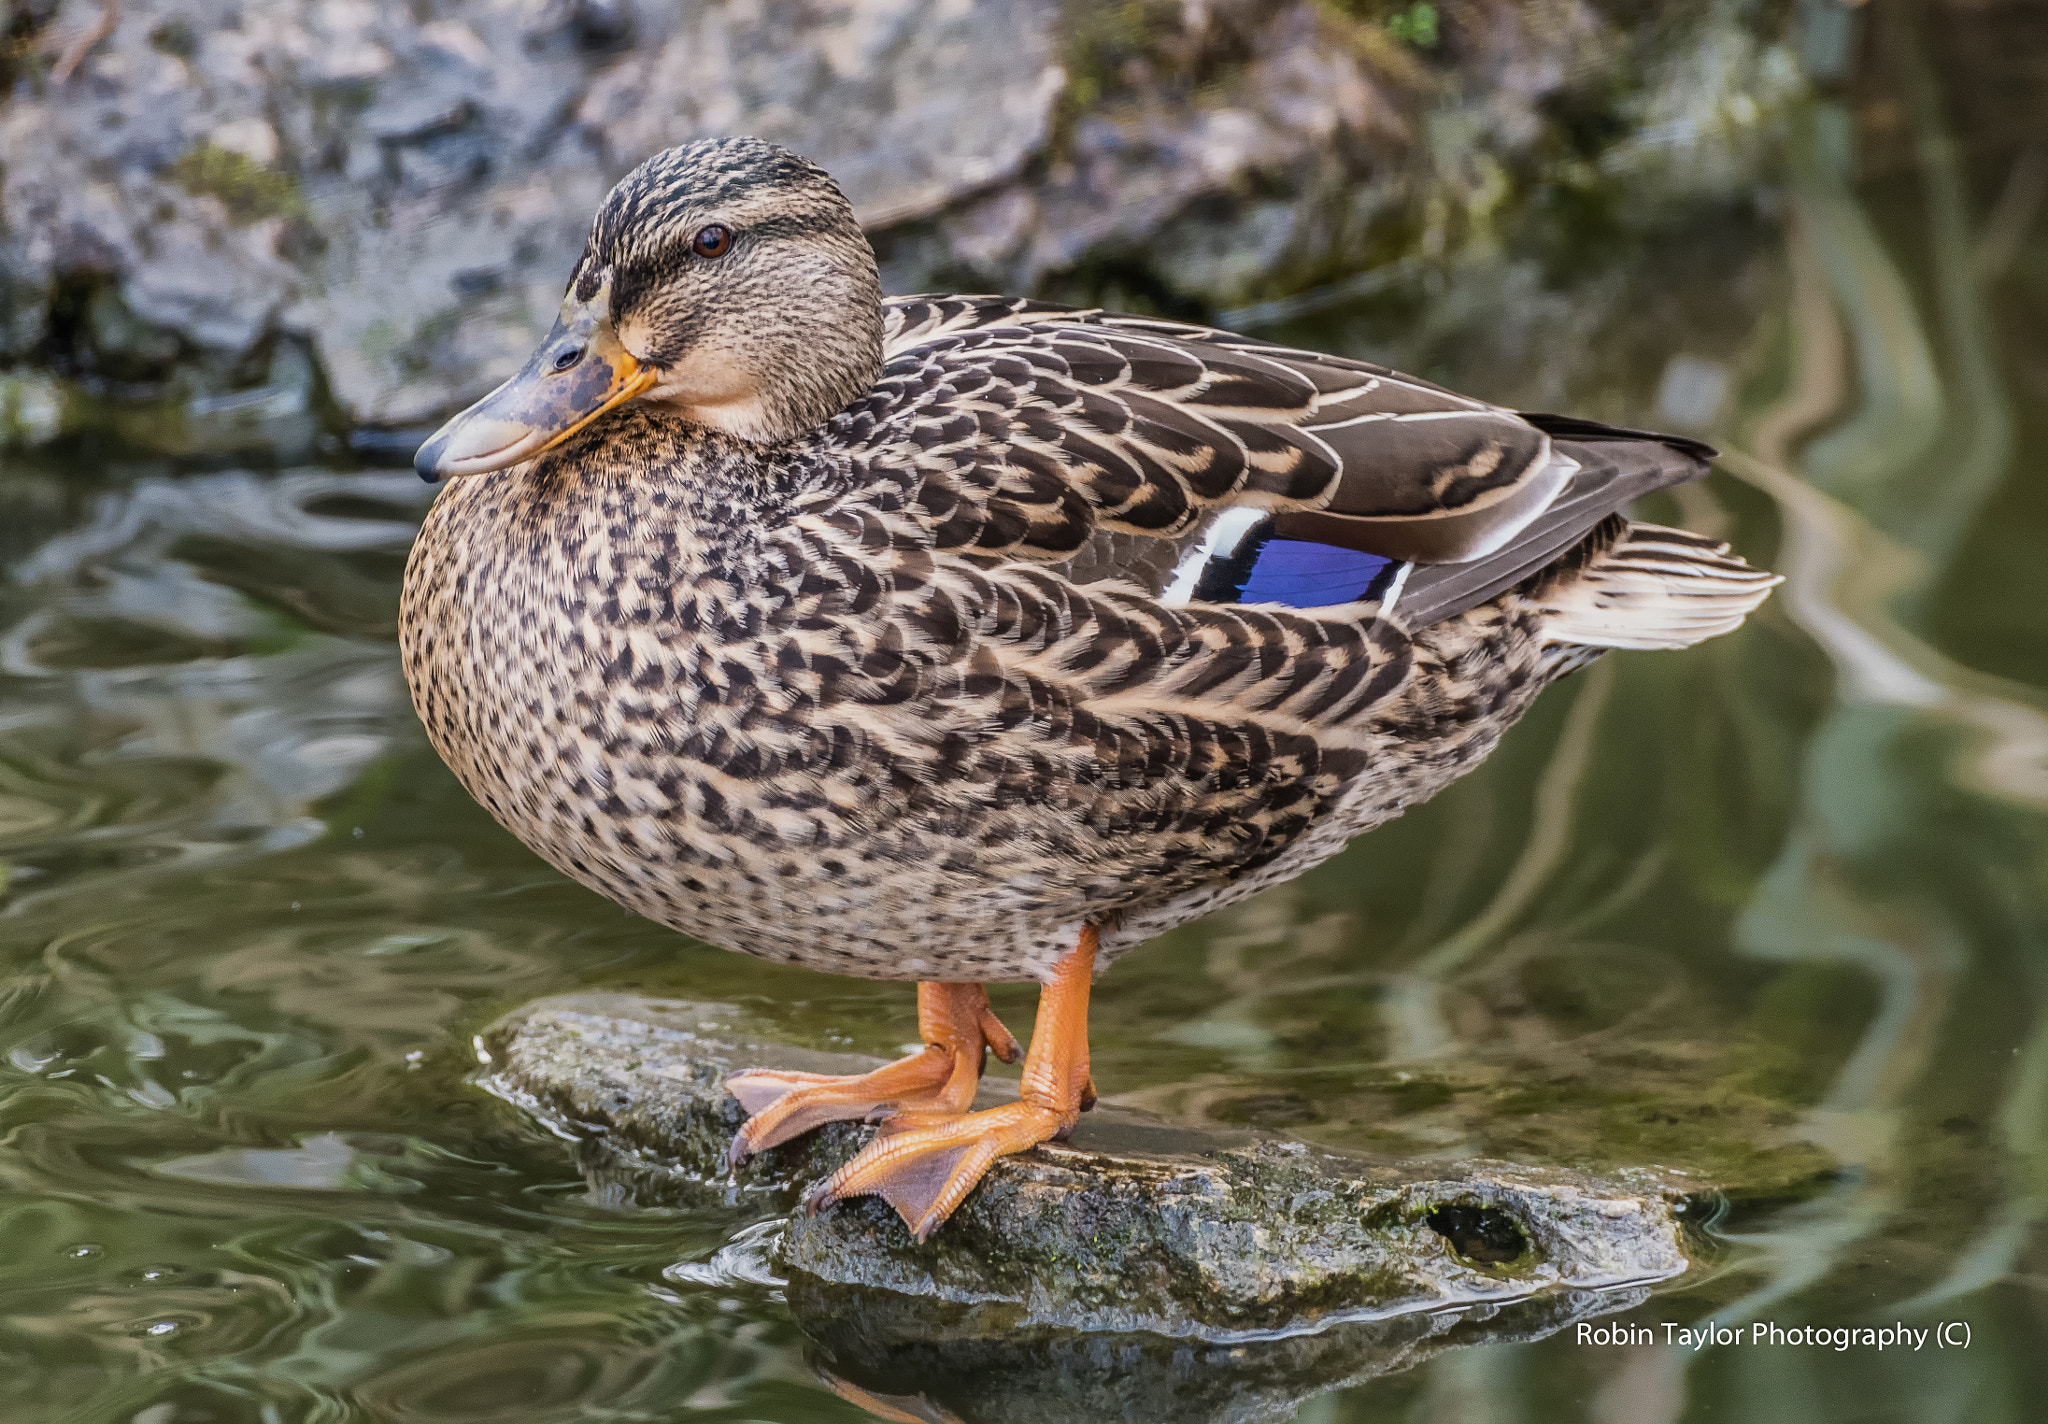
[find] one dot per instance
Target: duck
(966, 640)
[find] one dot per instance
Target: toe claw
(936, 1083)
(998, 1036)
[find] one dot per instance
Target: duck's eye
(712, 241)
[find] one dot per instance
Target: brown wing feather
(1036, 429)
(1613, 467)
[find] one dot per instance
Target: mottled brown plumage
(900, 638)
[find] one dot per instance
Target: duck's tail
(1644, 586)
(1604, 582)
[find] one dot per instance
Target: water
(1770, 911)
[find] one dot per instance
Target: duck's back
(1071, 618)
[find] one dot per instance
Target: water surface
(1770, 911)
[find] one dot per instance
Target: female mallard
(963, 639)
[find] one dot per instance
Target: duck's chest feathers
(558, 632)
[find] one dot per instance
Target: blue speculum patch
(1297, 573)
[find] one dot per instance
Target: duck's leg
(924, 1163)
(957, 1026)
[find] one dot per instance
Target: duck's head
(726, 280)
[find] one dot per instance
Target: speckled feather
(852, 645)
(1047, 425)
(794, 702)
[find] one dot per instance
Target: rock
(1135, 1226)
(411, 195)
(402, 196)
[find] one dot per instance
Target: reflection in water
(1875, 457)
(899, 1363)
(1770, 912)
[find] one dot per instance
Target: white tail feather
(1655, 588)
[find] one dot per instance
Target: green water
(1770, 911)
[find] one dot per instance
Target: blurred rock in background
(227, 225)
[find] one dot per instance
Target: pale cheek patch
(717, 390)
(710, 376)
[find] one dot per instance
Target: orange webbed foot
(928, 1171)
(957, 1026)
(925, 1163)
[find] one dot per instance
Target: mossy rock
(1135, 1225)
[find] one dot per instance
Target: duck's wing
(1207, 466)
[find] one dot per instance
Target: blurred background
(1772, 912)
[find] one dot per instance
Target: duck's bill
(577, 374)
